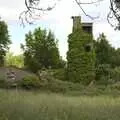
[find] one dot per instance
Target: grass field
(23, 105)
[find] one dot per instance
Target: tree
(35, 8)
(116, 58)
(41, 50)
(104, 51)
(107, 58)
(4, 41)
(14, 60)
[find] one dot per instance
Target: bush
(106, 75)
(115, 74)
(30, 82)
(55, 85)
(54, 80)
(59, 74)
(115, 86)
(103, 74)
(2, 83)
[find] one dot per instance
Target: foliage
(59, 86)
(106, 75)
(41, 50)
(115, 74)
(51, 80)
(105, 53)
(103, 74)
(14, 60)
(62, 63)
(59, 74)
(4, 41)
(104, 50)
(80, 67)
(2, 82)
(30, 82)
(115, 58)
(107, 61)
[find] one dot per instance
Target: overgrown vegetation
(4, 41)
(87, 64)
(107, 61)
(41, 50)
(91, 74)
(2, 82)
(14, 60)
(30, 82)
(80, 56)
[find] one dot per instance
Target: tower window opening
(88, 48)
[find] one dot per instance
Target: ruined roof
(86, 24)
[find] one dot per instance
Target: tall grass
(22, 105)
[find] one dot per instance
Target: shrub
(103, 74)
(2, 83)
(115, 74)
(55, 85)
(107, 75)
(54, 80)
(59, 74)
(30, 82)
(115, 86)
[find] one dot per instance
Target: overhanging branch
(34, 10)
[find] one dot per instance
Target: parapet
(87, 27)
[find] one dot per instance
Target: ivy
(81, 57)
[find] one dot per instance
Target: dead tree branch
(114, 14)
(36, 8)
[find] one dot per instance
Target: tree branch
(34, 10)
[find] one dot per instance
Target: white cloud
(10, 11)
(8, 14)
(16, 4)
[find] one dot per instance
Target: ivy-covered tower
(81, 55)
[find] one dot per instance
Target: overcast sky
(58, 20)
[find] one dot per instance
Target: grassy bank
(22, 105)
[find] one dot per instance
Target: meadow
(35, 105)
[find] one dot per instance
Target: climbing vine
(80, 60)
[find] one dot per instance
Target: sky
(58, 20)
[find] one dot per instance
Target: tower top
(87, 27)
(76, 22)
(76, 18)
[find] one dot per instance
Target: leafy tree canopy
(103, 50)
(14, 60)
(4, 41)
(41, 50)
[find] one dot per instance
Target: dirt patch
(19, 73)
